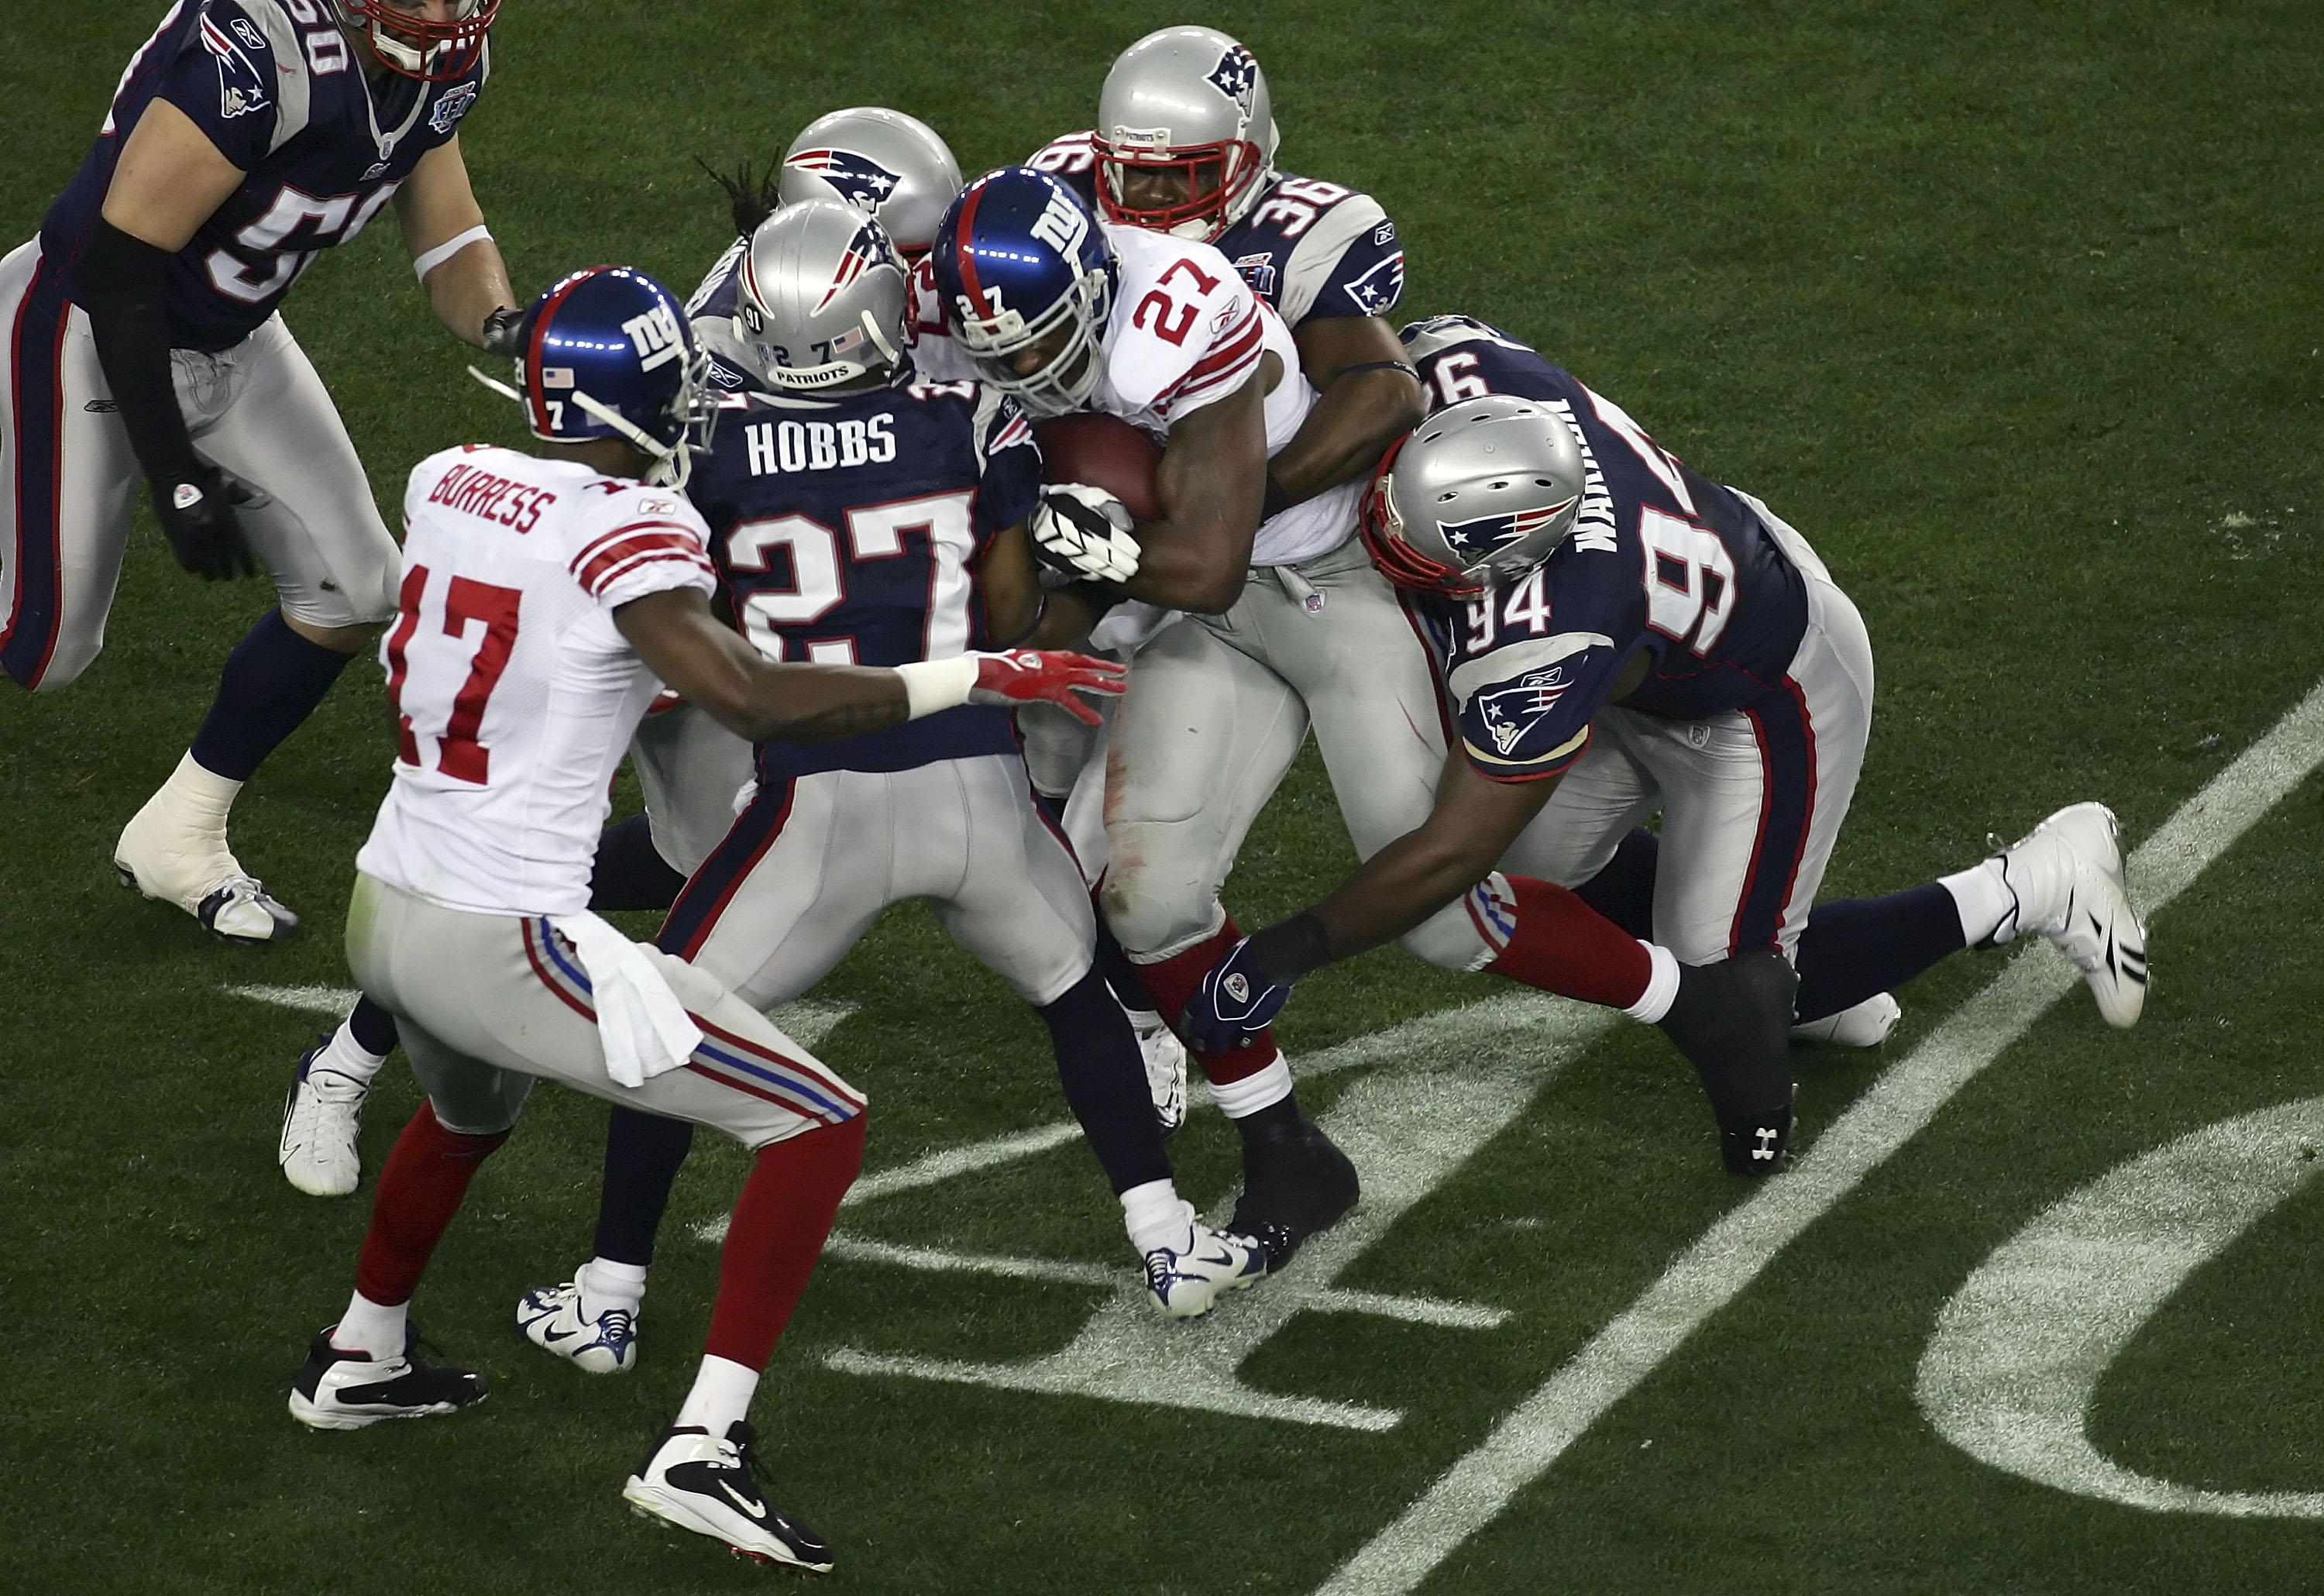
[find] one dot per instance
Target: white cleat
(550, 1318)
(1187, 1285)
(1865, 1025)
(181, 859)
(1166, 1067)
(320, 1121)
(2066, 875)
(711, 1485)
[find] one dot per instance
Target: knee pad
(1152, 925)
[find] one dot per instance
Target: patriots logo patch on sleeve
(857, 178)
(243, 88)
(1376, 292)
(1510, 712)
(1479, 539)
(1236, 76)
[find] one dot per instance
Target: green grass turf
(2014, 312)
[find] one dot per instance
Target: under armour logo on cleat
(1766, 1147)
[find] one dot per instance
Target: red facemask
(416, 47)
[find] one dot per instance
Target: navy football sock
(1624, 891)
(642, 1155)
(1104, 1079)
(272, 683)
(1129, 985)
(630, 872)
(373, 1026)
(1853, 947)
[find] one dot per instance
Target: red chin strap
(1396, 559)
(1237, 161)
(447, 50)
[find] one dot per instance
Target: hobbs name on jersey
(777, 447)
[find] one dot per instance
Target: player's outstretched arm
(680, 641)
(1474, 821)
(459, 263)
(1368, 397)
(1212, 481)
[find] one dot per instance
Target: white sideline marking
(1732, 1253)
(1429, 1033)
(1462, 1075)
(2019, 1351)
(1415, 1310)
(806, 1021)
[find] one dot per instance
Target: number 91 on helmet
(1482, 490)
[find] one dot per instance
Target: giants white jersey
(515, 694)
(1186, 331)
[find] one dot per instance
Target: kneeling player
(1622, 636)
(540, 599)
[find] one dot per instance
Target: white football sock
(1241, 1098)
(721, 1393)
(1662, 985)
(344, 1055)
(1157, 1216)
(606, 1283)
(1982, 897)
(373, 1327)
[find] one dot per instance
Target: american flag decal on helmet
(1477, 540)
(857, 178)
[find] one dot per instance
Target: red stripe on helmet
(534, 403)
(964, 230)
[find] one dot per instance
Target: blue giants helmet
(1020, 265)
(608, 352)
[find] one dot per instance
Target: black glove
(196, 512)
(500, 334)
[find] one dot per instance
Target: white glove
(1085, 532)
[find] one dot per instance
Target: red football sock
(1562, 945)
(1173, 982)
(419, 1190)
(781, 1223)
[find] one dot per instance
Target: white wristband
(933, 685)
(423, 264)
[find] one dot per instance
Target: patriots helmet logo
(869, 248)
(858, 180)
(1477, 541)
(1236, 76)
(1510, 712)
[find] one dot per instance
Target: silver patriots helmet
(822, 299)
(1488, 487)
(883, 161)
(1188, 101)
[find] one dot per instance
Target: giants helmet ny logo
(857, 178)
(1236, 76)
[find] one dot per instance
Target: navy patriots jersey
(847, 527)
(1661, 561)
(716, 309)
(280, 90)
(1308, 248)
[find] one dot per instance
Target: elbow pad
(124, 288)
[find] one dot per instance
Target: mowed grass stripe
(1481, 1486)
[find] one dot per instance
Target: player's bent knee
(1152, 925)
(351, 638)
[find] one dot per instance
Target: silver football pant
(485, 1004)
(691, 770)
(68, 479)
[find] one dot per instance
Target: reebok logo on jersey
(241, 87)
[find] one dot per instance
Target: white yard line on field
(1480, 1485)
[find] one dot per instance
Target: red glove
(1046, 676)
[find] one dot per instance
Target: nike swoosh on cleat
(558, 1335)
(754, 1511)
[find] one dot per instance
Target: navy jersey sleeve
(223, 80)
(1313, 248)
(1009, 462)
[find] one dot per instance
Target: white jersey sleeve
(1185, 330)
(935, 357)
(515, 695)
